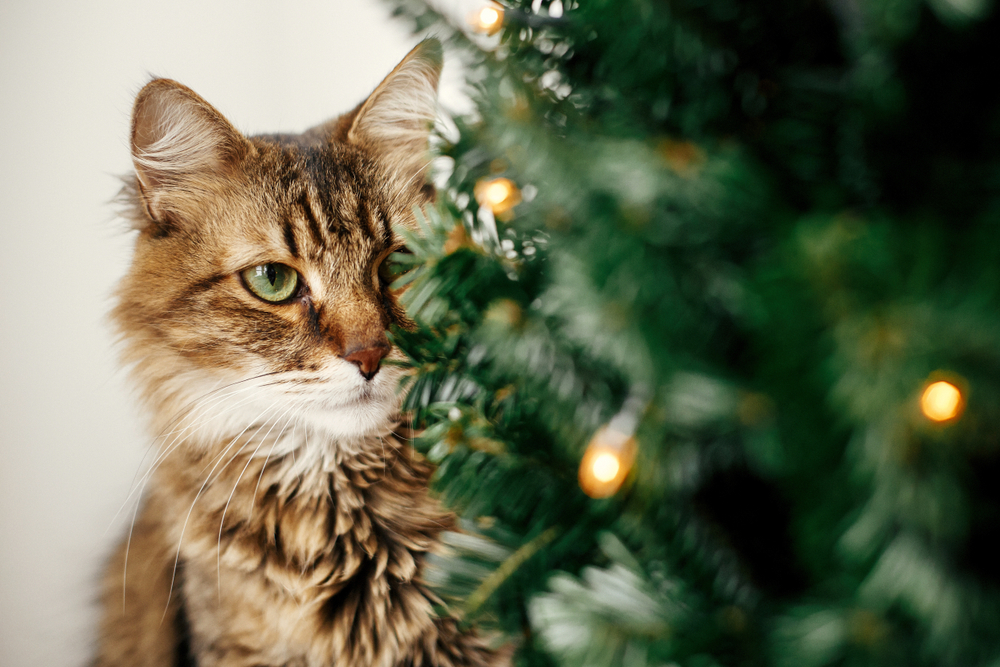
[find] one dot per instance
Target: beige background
(70, 437)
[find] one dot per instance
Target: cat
(285, 519)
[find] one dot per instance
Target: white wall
(70, 436)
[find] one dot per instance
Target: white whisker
(266, 459)
(192, 406)
(187, 518)
(222, 521)
(177, 441)
(156, 464)
(382, 442)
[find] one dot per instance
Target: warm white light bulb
(488, 17)
(497, 192)
(605, 467)
(488, 20)
(606, 462)
(941, 401)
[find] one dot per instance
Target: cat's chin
(334, 410)
(358, 420)
(366, 411)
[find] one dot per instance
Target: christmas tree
(708, 331)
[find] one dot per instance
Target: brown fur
(284, 521)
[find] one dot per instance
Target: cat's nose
(368, 359)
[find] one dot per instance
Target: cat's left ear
(181, 148)
(396, 119)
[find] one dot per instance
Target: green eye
(271, 282)
(395, 266)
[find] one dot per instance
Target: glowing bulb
(605, 467)
(489, 16)
(941, 401)
(606, 463)
(498, 194)
(489, 19)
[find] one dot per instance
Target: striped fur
(284, 520)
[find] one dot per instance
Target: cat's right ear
(396, 119)
(180, 146)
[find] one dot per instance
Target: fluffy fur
(285, 520)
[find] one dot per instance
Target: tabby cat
(285, 519)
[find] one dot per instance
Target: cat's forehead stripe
(289, 233)
(375, 220)
(339, 200)
(309, 213)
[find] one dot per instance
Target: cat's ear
(180, 146)
(396, 119)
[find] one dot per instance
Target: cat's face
(259, 296)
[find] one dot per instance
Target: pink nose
(368, 359)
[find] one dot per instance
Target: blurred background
(718, 291)
(70, 436)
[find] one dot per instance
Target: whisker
(266, 459)
(177, 441)
(187, 518)
(194, 404)
(384, 471)
(154, 466)
(222, 522)
(161, 434)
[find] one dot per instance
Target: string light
(611, 452)
(498, 194)
(942, 401)
(605, 467)
(606, 463)
(488, 19)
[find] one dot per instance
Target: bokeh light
(488, 20)
(606, 463)
(605, 467)
(941, 401)
(498, 194)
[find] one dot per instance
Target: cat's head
(259, 290)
